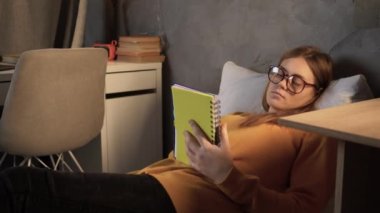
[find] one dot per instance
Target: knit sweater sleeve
(311, 181)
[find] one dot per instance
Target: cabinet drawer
(130, 81)
(128, 120)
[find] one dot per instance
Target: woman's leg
(40, 190)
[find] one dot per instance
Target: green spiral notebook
(196, 105)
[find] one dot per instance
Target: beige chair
(55, 104)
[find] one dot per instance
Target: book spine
(143, 45)
(138, 39)
(215, 120)
(137, 53)
(141, 59)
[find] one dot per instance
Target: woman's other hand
(211, 160)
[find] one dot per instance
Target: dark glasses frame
(286, 76)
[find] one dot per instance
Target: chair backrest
(55, 101)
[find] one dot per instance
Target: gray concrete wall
(252, 33)
(202, 35)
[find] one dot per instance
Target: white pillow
(344, 91)
(241, 90)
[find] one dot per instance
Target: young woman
(259, 166)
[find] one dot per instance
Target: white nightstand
(132, 130)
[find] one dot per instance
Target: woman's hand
(213, 161)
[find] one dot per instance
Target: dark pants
(40, 190)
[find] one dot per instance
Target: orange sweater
(276, 169)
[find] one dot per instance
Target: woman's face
(278, 96)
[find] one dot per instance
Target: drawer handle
(130, 93)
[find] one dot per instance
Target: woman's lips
(277, 94)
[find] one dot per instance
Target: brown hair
(320, 64)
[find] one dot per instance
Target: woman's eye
(296, 84)
(297, 81)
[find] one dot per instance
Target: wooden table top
(357, 122)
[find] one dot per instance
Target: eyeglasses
(294, 83)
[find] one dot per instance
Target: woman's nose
(283, 84)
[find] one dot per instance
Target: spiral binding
(215, 119)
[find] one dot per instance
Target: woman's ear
(318, 94)
(319, 91)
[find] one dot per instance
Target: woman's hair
(320, 64)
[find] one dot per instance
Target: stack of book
(9, 59)
(139, 49)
